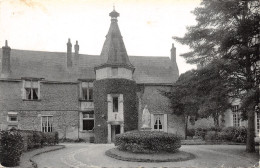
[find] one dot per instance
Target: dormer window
(31, 90)
(87, 91)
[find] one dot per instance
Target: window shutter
(165, 127)
(121, 103)
(109, 103)
(152, 122)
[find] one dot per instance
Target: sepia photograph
(129, 83)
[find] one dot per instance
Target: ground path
(84, 155)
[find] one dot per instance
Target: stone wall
(59, 100)
(151, 96)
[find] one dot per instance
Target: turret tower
(115, 99)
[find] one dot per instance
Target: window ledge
(86, 131)
(13, 122)
(83, 100)
(31, 100)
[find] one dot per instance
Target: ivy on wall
(114, 86)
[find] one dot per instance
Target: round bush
(148, 142)
(234, 134)
(11, 148)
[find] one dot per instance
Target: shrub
(211, 136)
(147, 142)
(200, 132)
(51, 138)
(11, 148)
(235, 134)
(191, 132)
(214, 128)
(37, 138)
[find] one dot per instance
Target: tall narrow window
(87, 91)
(115, 104)
(258, 124)
(47, 123)
(31, 90)
(236, 116)
(158, 122)
(87, 121)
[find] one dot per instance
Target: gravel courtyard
(84, 155)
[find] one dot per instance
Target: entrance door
(115, 129)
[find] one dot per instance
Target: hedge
(14, 142)
(11, 148)
(148, 142)
(234, 134)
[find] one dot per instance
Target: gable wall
(158, 104)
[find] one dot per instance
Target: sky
(147, 26)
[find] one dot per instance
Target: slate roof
(114, 50)
(53, 67)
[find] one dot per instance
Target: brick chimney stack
(69, 54)
(76, 56)
(173, 53)
(76, 48)
(6, 69)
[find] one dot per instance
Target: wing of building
(83, 96)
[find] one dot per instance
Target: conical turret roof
(114, 51)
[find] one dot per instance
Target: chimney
(173, 53)
(6, 69)
(76, 56)
(76, 48)
(69, 56)
(174, 63)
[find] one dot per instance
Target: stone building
(82, 96)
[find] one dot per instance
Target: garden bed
(155, 157)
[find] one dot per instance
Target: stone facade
(74, 94)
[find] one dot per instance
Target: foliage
(229, 31)
(114, 86)
(191, 132)
(200, 132)
(35, 139)
(11, 148)
(234, 134)
(202, 93)
(148, 142)
(51, 138)
(211, 136)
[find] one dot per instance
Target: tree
(182, 97)
(213, 90)
(229, 30)
(202, 93)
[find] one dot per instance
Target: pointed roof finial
(114, 14)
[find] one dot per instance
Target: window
(12, 117)
(115, 104)
(158, 123)
(88, 121)
(258, 123)
(114, 71)
(87, 91)
(236, 116)
(47, 123)
(31, 90)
